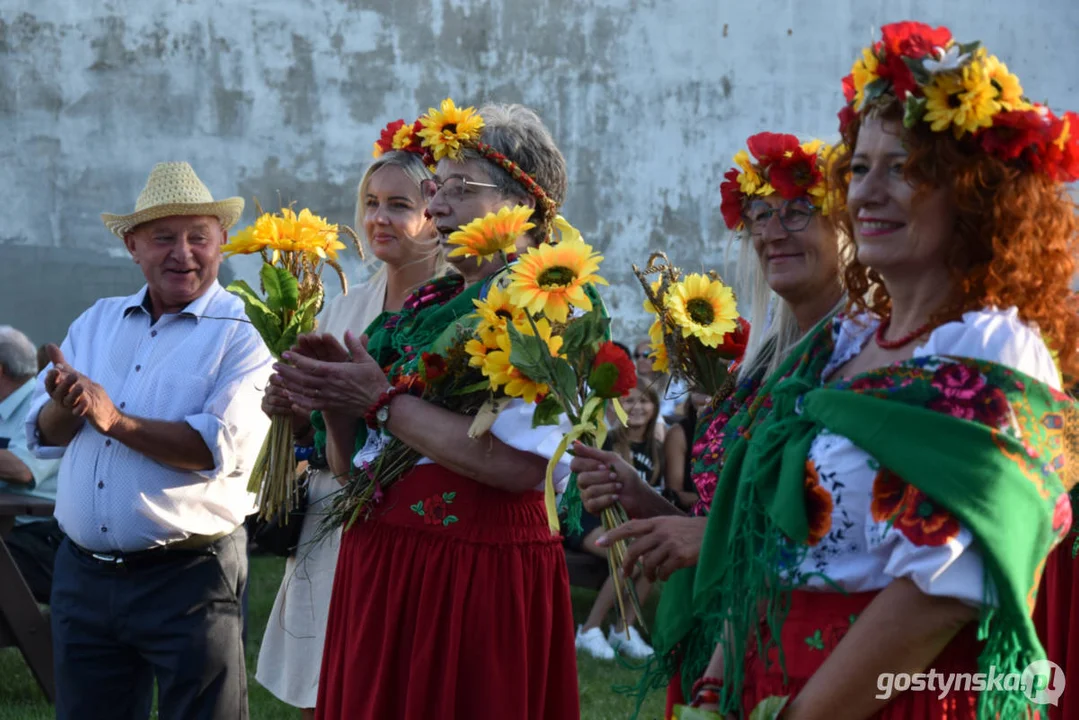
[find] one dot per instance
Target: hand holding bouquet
(294, 249)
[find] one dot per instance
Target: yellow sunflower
(1010, 92)
(504, 375)
(703, 307)
(749, 180)
(245, 242)
(562, 230)
(657, 352)
(486, 236)
(306, 232)
(864, 72)
(497, 310)
(402, 138)
(550, 278)
(478, 347)
(648, 306)
(449, 128)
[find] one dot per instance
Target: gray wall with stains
(648, 99)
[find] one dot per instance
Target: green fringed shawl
(1000, 474)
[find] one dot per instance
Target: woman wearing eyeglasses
(888, 523)
(451, 599)
(789, 258)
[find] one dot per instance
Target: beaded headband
(781, 164)
(961, 88)
(449, 130)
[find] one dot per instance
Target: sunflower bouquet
(543, 336)
(697, 335)
(295, 248)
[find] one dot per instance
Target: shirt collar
(12, 402)
(140, 302)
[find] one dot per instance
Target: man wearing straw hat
(153, 403)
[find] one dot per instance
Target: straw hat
(173, 188)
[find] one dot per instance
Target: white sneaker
(592, 642)
(635, 647)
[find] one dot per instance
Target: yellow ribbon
(588, 425)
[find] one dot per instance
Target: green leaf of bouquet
(584, 333)
(527, 355)
(266, 322)
(288, 335)
(547, 412)
(564, 381)
(282, 290)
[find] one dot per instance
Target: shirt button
(138, 367)
(104, 529)
(123, 405)
(100, 484)
(153, 333)
(108, 442)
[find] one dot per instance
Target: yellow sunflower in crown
(449, 128)
(497, 310)
(503, 374)
(478, 347)
(550, 278)
(494, 232)
(703, 308)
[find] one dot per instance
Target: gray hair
(518, 133)
(18, 356)
(415, 170)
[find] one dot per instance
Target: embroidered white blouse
(859, 553)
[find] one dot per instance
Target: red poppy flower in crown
(776, 164)
(961, 88)
(448, 131)
(404, 137)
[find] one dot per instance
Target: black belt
(194, 545)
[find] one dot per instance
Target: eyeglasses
(454, 188)
(640, 354)
(794, 215)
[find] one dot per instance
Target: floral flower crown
(960, 87)
(449, 130)
(781, 164)
(405, 138)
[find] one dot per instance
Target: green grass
(20, 698)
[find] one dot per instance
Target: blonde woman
(391, 209)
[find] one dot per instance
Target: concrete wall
(648, 98)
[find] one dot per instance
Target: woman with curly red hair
(884, 529)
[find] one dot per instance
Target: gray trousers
(176, 619)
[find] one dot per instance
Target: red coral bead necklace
(899, 342)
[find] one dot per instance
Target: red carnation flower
(848, 89)
(1061, 163)
(734, 342)
(434, 366)
(913, 39)
(385, 140)
(846, 117)
(892, 69)
(769, 147)
(731, 205)
(792, 175)
(613, 372)
(1013, 133)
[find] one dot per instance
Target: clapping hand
(325, 375)
(78, 394)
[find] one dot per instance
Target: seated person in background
(647, 377)
(34, 540)
(636, 442)
(678, 456)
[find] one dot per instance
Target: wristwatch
(382, 416)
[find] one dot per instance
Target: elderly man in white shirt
(153, 402)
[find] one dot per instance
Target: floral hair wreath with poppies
(960, 87)
(780, 164)
(402, 137)
(450, 130)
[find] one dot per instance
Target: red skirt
(1057, 619)
(452, 601)
(815, 625)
